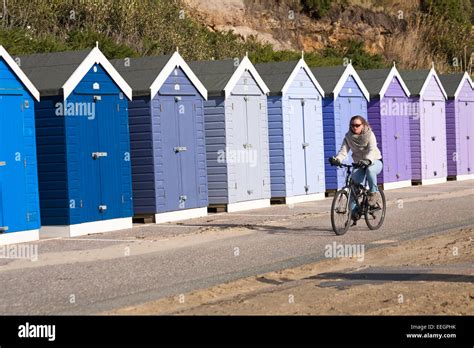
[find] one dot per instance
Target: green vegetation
(128, 28)
(449, 23)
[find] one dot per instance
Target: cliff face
(285, 26)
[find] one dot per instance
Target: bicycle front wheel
(375, 213)
(340, 212)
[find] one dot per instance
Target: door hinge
(194, 107)
(235, 186)
(179, 149)
(81, 204)
(3, 163)
(161, 108)
(260, 106)
(123, 199)
(97, 155)
(24, 162)
(232, 105)
(118, 107)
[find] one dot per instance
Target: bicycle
(340, 208)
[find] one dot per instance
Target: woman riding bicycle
(361, 140)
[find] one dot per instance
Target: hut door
(109, 156)
(312, 124)
(89, 198)
(237, 153)
(171, 169)
(185, 151)
(392, 135)
(298, 148)
(429, 139)
(469, 116)
(254, 152)
(12, 166)
(465, 134)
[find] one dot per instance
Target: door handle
(396, 136)
(3, 164)
(305, 145)
(179, 149)
(183, 198)
(102, 208)
(249, 192)
(467, 137)
(97, 155)
(433, 138)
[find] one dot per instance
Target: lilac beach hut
(388, 114)
(459, 125)
(427, 126)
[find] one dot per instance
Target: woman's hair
(361, 119)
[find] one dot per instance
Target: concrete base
(396, 185)
(180, 215)
(305, 198)
(19, 237)
(464, 177)
(86, 228)
(248, 205)
(433, 181)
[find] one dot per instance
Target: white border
(248, 205)
(19, 237)
(19, 73)
(305, 198)
(180, 215)
(464, 177)
(393, 73)
(95, 57)
(86, 228)
(176, 61)
(244, 65)
(464, 77)
(433, 181)
(427, 80)
(396, 184)
(302, 65)
(350, 71)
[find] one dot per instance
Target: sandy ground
(426, 276)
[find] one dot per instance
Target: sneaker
(372, 198)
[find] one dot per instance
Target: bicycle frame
(350, 187)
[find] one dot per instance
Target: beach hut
(236, 126)
(19, 202)
(346, 96)
(167, 137)
(295, 121)
(389, 116)
(459, 125)
(83, 142)
(427, 126)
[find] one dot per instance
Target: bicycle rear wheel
(340, 212)
(375, 214)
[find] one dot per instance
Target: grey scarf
(360, 140)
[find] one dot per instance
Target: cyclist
(362, 142)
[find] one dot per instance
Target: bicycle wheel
(375, 214)
(340, 212)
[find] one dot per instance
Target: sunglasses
(356, 125)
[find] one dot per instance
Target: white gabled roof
(95, 57)
(176, 61)
(464, 77)
(302, 65)
(427, 81)
(350, 71)
(394, 73)
(244, 65)
(19, 73)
